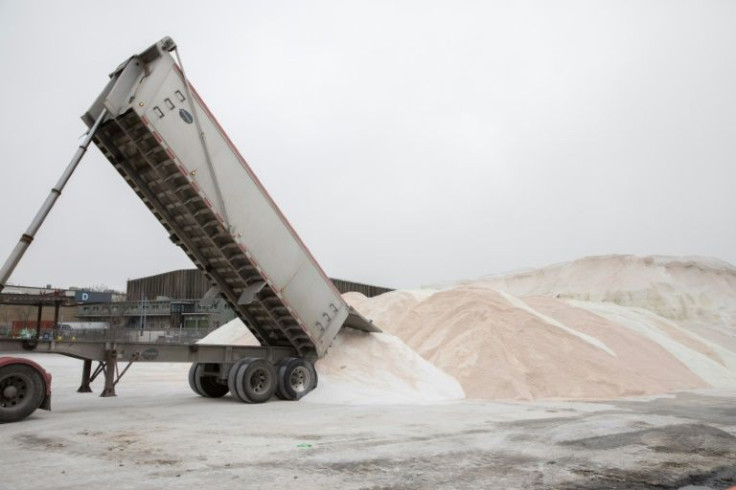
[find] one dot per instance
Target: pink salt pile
(529, 336)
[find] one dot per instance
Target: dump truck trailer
(154, 128)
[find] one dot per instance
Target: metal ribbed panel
(148, 168)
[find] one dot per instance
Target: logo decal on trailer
(186, 116)
(150, 354)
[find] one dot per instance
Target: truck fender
(46, 403)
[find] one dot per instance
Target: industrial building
(159, 307)
(172, 306)
(26, 311)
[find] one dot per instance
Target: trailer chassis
(252, 374)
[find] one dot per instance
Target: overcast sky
(408, 143)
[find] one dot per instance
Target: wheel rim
(13, 391)
(299, 379)
(260, 381)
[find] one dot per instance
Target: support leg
(26, 239)
(86, 373)
(110, 365)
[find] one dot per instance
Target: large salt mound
(599, 327)
(362, 368)
(499, 348)
(697, 292)
(544, 345)
(713, 363)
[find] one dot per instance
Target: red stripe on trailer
(207, 202)
(219, 217)
(171, 154)
(145, 120)
(195, 185)
(157, 136)
(182, 169)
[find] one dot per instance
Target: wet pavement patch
(614, 479)
(684, 438)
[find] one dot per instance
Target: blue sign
(92, 297)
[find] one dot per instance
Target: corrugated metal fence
(193, 284)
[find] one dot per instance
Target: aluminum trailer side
(162, 138)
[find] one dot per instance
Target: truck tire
(22, 390)
(297, 377)
(205, 385)
(253, 380)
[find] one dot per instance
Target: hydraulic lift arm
(27, 237)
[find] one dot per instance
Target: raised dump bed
(159, 135)
(168, 146)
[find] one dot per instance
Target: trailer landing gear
(254, 380)
(108, 368)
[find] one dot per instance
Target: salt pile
(362, 368)
(233, 332)
(647, 325)
(379, 369)
(698, 292)
(599, 327)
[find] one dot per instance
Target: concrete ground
(157, 434)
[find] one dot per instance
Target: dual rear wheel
(204, 380)
(22, 390)
(296, 378)
(252, 380)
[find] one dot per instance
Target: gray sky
(407, 142)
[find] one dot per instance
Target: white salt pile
(379, 369)
(233, 332)
(647, 325)
(362, 368)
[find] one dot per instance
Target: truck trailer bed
(161, 137)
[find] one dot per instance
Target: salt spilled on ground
(600, 327)
(363, 368)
